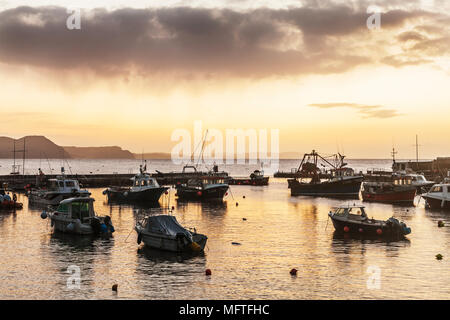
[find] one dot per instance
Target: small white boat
(165, 233)
(57, 190)
(77, 216)
(438, 197)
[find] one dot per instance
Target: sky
(137, 71)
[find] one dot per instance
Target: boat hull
(436, 203)
(250, 182)
(149, 195)
(339, 188)
(62, 225)
(401, 196)
(376, 229)
(169, 243)
(10, 205)
(213, 193)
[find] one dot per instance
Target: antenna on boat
(417, 145)
(393, 153)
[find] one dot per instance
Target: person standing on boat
(41, 177)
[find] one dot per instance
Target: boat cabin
(144, 181)
(257, 174)
(63, 185)
(76, 208)
(440, 189)
(206, 181)
(351, 212)
(403, 180)
(342, 172)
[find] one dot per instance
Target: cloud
(214, 42)
(367, 111)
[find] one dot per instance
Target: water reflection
(159, 256)
(279, 232)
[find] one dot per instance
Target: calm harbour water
(281, 232)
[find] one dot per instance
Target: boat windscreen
(63, 207)
(80, 210)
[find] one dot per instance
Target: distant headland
(40, 147)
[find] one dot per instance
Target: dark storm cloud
(255, 43)
(367, 111)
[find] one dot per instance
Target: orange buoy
(208, 272)
(379, 231)
(199, 193)
(293, 272)
(346, 229)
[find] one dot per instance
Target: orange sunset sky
(138, 70)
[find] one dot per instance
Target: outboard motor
(95, 225)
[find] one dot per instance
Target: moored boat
(342, 181)
(144, 189)
(163, 232)
(77, 216)
(388, 192)
(57, 190)
(257, 178)
(438, 197)
(8, 203)
(354, 220)
(202, 189)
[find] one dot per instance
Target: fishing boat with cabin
(257, 178)
(77, 216)
(342, 182)
(354, 220)
(438, 197)
(204, 188)
(401, 190)
(144, 189)
(57, 190)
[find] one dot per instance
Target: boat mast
(14, 165)
(203, 147)
(23, 164)
(393, 153)
(417, 152)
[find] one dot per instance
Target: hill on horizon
(36, 147)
